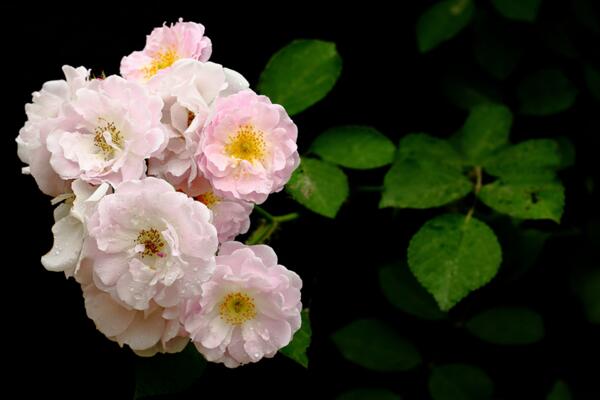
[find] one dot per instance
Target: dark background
(385, 83)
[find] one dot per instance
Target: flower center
(161, 60)
(152, 241)
(107, 138)
(237, 308)
(209, 199)
(246, 144)
(190, 118)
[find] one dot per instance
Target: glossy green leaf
(167, 374)
(520, 10)
(485, 131)
(526, 158)
(442, 21)
(460, 382)
(592, 78)
(389, 352)
(298, 347)
(368, 394)
(546, 92)
(319, 186)
(452, 255)
(301, 74)
(427, 173)
(560, 391)
(527, 198)
(358, 147)
(507, 326)
(404, 292)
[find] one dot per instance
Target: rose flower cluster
(156, 172)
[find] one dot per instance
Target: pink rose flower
(231, 217)
(150, 248)
(248, 148)
(164, 46)
(42, 118)
(249, 309)
(189, 89)
(107, 132)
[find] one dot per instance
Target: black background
(385, 83)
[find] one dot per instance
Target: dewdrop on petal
(249, 309)
(150, 248)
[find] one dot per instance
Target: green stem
(478, 184)
(269, 225)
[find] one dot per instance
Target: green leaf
(167, 374)
(452, 255)
(297, 348)
(586, 14)
(368, 394)
(486, 130)
(497, 49)
(460, 382)
(389, 352)
(507, 326)
(467, 92)
(319, 186)
(521, 247)
(560, 391)
(527, 198)
(530, 157)
(358, 147)
(587, 287)
(592, 78)
(567, 152)
(402, 290)
(427, 173)
(442, 21)
(520, 10)
(301, 74)
(546, 92)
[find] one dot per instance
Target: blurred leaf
(497, 50)
(560, 391)
(374, 345)
(427, 173)
(442, 21)
(460, 382)
(167, 374)
(298, 347)
(520, 10)
(368, 394)
(521, 248)
(301, 74)
(486, 130)
(525, 198)
(507, 326)
(567, 152)
(359, 147)
(587, 286)
(586, 14)
(465, 91)
(404, 292)
(319, 186)
(452, 255)
(546, 92)
(592, 78)
(557, 39)
(531, 157)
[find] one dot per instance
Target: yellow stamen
(153, 242)
(237, 308)
(160, 60)
(209, 199)
(246, 144)
(115, 137)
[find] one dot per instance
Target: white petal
(68, 239)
